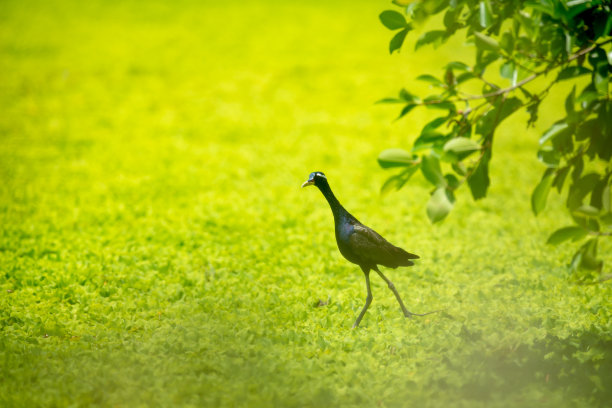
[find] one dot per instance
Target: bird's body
(362, 245)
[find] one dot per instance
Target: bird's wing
(373, 248)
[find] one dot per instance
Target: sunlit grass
(156, 249)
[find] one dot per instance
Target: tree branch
(530, 78)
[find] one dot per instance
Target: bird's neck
(334, 204)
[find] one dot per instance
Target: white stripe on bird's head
(316, 174)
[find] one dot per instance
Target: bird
(363, 246)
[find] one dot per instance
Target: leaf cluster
(510, 52)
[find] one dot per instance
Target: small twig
(600, 234)
(490, 84)
(520, 65)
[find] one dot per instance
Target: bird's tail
(404, 257)
(408, 255)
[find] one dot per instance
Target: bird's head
(315, 178)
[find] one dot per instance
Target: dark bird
(362, 245)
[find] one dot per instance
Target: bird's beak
(308, 183)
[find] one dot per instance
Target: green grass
(156, 249)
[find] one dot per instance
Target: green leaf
(396, 158)
(434, 6)
(451, 20)
(606, 199)
(487, 123)
(428, 140)
(588, 129)
(545, 6)
(569, 43)
(408, 97)
(466, 76)
(397, 40)
(484, 59)
(576, 260)
(528, 94)
(588, 223)
(484, 14)
(431, 79)
(563, 234)
(484, 42)
(557, 44)
(449, 79)
(560, 178)
(461, 145)
(578, 164)
(507, 69)
(390, 100)
(479, 181)
(586, 257)
(586, 211)
(458, 65)
(406, 109)
(540, 193)
(396, 182)
(577, 6)
(607, 29)
(451, 181)
(434, 124)
(589, 256)
(549, 156)
(597, 195)
(570, 103)
(507, 42)
(460, 168)
(533, 109)
(390, 184)
(439, 205)
(436, 102)
(580, 188)
(430, 166)
(600, 77)
(555, 130)
(525, 24)
(392, 19)
(560, 134)
(597, 56)
(588, 95)
(431, 37)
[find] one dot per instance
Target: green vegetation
(156, 248)
(516, 43)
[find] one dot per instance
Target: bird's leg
(368, 299)
(397, 296)
(399, 299)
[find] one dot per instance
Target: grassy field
(156, 249)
